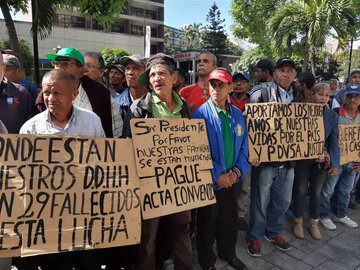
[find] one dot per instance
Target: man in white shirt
(62, 117)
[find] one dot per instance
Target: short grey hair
(98, 58)
(60, 75)
(213, 56)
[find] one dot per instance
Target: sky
(181, 12)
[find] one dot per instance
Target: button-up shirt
(81, 122)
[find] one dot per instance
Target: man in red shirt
(198, 93)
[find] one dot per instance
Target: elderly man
(61, 117)
(16, 105)
(227, 133)
(95, 66)
(198, 93)
(92, 95)
(162, 102)
(134, 66)
(271, 183)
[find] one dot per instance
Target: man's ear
(82, 71)
(74, 94)
(174, 78)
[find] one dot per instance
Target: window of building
(136, 30)
(138, 12)
(62, 20)
(150, 14)
(154, 32)
(153, 49)
(118, 27)
(78, 22)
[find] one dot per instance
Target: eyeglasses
(65, 64)
(91, 66)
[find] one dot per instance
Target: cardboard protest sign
(173, 161)
(349, 143)
(285, 131)
(67, 193)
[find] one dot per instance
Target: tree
(296, 28)
(25, 51)
(251, 19)
(343, 60)
(215, 39)
(311, 22)
(192, 35)
(104, 11)
(112, 56)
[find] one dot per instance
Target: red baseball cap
(220, 75)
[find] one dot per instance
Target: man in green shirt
(161, 102)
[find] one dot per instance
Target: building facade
(70, 29)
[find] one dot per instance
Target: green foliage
(27, 58)
(192, 35)
(104, 11)
(112, 56)
(215, 38)
(297, 28)
(251, 19)
(343, 60)
(18, 5)
(248, 60)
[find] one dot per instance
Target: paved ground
(338, 250)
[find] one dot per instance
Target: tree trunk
(305, 64)
(312, 61)
(13, 39)
(288, 45)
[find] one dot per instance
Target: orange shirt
(195, 96)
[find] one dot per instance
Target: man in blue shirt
(227, 134)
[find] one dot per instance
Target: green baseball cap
(68, 52)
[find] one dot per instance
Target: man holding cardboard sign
(61, 117)
(162, 102)
(271, 183)
(227, 133)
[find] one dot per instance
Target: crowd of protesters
(75, 99)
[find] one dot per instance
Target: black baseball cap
(266, 64)
(285, 60)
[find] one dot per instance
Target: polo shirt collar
(227, 108)
(178, 101)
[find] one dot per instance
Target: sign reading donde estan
(67, 193)
(59, 194)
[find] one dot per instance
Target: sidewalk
(338, 250)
